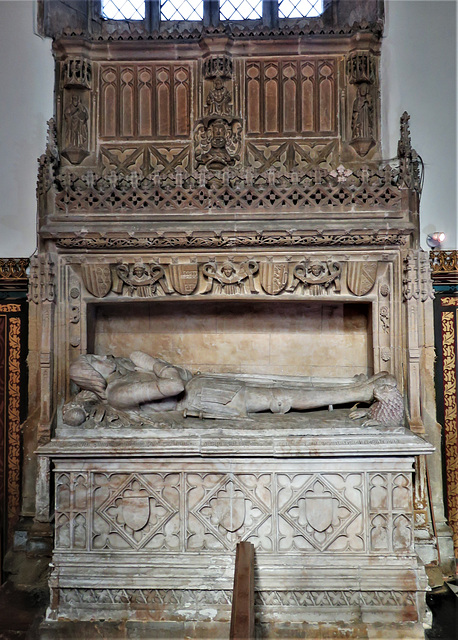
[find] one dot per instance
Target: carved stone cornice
(225, 239)
(188, 31)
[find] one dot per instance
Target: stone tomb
(216, 196)
(147, 520)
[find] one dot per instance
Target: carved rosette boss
(218, 133)
(75, 122)
(361, 72)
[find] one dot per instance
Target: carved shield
(230, 512)
(97, 279)
(273, 276)
(184, 277)
(136, 511)
(318, 511)
(361, 277)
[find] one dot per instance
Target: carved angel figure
(140, 279)
(230, 278)
(317, 277)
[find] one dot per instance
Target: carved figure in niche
(388, 410)
(141, 280)
(217, 143)
(122, 390)
(362, 121)
(219, 100)
(76, 117)
(317, 277)
(230, 278)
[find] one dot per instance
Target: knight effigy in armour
(137, 388)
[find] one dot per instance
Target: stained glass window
(240, 9)
(300, 8)
(123, 9)
(181, 10)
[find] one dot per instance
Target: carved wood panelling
(13, 329)
(291, 97)
(145, 100)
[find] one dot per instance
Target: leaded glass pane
(300, 8)
(123, 9)
(240, 9)
(181, 10)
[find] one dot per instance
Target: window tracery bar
(240, 9)
(181, 10)
(123, 9)
(300, 8)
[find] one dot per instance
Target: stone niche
(293, 338)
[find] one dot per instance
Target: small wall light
(434, 240)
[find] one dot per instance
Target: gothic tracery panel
(146, 100)
(291, 97)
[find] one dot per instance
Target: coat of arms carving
(97, 279)
(361, 277)
(183, 277)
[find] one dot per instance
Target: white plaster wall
(26, 103)
(419, 76)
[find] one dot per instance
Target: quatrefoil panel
(135, 511)
(318, 513)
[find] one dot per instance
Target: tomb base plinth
(147, 521)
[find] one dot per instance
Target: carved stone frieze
(265, 599)
(228, 276)
(146, 598)
(119, 242)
